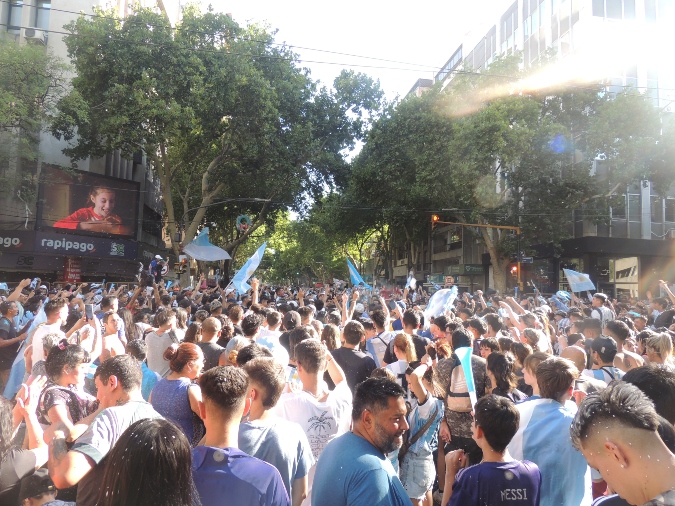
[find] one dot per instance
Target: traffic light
(514, 271)
(434, 220)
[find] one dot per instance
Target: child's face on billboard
(104, 202)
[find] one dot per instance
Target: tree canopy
(31, 82)
(221, 111)
(487, 150)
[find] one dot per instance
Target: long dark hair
(129, 325)
(501, 366)
(149, 464)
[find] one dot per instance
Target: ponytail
(405, 343)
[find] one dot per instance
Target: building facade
(31, 242)
(626, 43)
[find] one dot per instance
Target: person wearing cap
(38, 490)
(155, 268)
(603, 351)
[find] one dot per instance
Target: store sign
(72, 270)
(30, 262)
(50, 242)
(16, 240)
(464, 270)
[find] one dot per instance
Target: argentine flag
(355, 277)
(544, 438)
(242, 276)
(578, 281)
(440, 301)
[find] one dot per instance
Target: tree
(31, 81)
(497, 153)
(221, 112)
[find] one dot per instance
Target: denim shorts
(417, 473)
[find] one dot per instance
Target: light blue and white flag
(543, 437)
(202, 249)
(464, 355)
(242, 276)
(355, 277)
(578, 281)
(412, 282)
(440, 301)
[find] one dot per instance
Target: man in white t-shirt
(323, 414)
(56, 311)
(269, 337)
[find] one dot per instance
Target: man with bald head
(583, 385)
(616, 431)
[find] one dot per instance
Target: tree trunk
(499, 265)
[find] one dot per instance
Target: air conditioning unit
(35, 35)
(401, 263)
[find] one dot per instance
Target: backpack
(458, 393)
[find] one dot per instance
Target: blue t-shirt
(514, 483)
(419, 416)
(281, 443)
(228, 476)
(351, 471)
(150, 379)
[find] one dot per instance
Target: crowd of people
(161, 395)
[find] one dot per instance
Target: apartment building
(627, 43)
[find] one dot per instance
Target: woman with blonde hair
(660, 349)
(404, 349)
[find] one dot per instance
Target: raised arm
(664, 285)
(17, 291)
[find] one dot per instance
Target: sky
(421, 37)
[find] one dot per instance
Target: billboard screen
(86, 203)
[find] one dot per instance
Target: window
(452, 63)
(618, 9)
(631, 77)
(653, 85)
(509, 24)
(619, 210)
(14, 17)
(42, 14)
(650, 11)
(670, 210)
(634, 208)
(613, 9)
(657, 209)
(575, 11)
